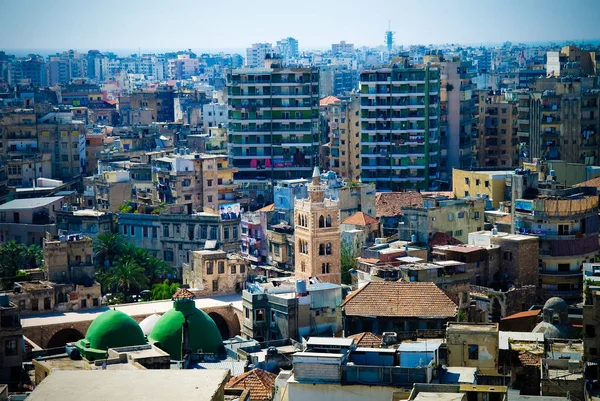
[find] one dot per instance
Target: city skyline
(135, 26)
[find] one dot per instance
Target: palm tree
(125, 276)
(107, 247)
(157, 268)
(33, 256)
(11, 260)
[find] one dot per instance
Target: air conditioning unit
(74, 208)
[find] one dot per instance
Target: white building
(342, 48)
(214, 114)
(255, 55)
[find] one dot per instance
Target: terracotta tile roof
(505, 219)
(529, 359)
(389, 204)
(259, 382)
(183, 293)
(594, 182)
(439, 238)
(527, 313)
(326, 101)
(268, 208)
(360, 219)
(399, 299)
(367, 339)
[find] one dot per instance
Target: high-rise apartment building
(287, 48)
(273, 125)
(342, 48)
(342, 119)
(255, 55)
(317, 235)
(563, 120)
(400, 120)
(498, 142)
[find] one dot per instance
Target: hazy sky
(235, 24)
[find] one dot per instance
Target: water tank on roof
(494, 231)
(301, 286)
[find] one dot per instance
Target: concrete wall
(336, 392)
(460, 337)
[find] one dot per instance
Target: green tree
(33, 257)
(164, 290)
(125, 276)
(108, 247)
(14, 257)
(349, 252)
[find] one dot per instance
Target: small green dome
(203, 333)
(114, 329)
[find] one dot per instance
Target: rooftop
(400, 299)
(366, 339)
(31, 203)
(360, 219)
(326, 101)
(527, 313)
(389, 204)
(479, 327)
(258, 381)
(147, 385)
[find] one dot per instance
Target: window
(46, 303)
(145, 232)
(259, 315)
(177, 229)
(564, 267)
(233, 269)
(302, 267)
(124, 229)
(154, 232)
(242, 269)
(321, 221)
(132, 230)
(328, 248)
(276, 249)
(34, 304)
(328, 221)
(235, 232)
(507, 255)
(473, 352)
(450, 216)
(209, 183)
(590, 330)
(321, 249)
(203, 232)
(486, 184)
(213, 233)
(215, 285)
(457, 233)
(461, 215)
(210, 267)
(467, 180)
(475, 215)
(477, 182)
(95, 302)
(221, 267)
(247, 312)
(168, 255)
(210, 198)
(225, 233)
(10, 348)
(563, 229)
(65, 158)
(466, 194)
(166, 233)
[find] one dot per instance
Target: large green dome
(114, 329)
(203, 333)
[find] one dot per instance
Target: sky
(113, 25)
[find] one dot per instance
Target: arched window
(328, 221)
(323, 268)
(321, 222)
(302, 266)
(327, 268)
(328, 249)
(321, 249)
(299, 219)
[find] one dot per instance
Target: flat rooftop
(482, 328)
(147, 385)
(32, 203)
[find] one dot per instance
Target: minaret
(317, 235)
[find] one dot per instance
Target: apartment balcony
(522, 122)
(570, 294)
(554, 273)
(524, 109)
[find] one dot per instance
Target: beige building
(69, 258)
(108, 190)
(472, 345)
(27, 221)
(498, 144)
(317, 235)
(343, 124)
(214, 273)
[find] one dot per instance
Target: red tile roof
(399, 299)
(268, 208)
(367, 339)
(505, 219)
(259, 382)
(439, 238)
(326, 101)
(594, 182)
(360, 219)
(389, 204)
(527, 313)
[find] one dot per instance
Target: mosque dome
(202, 333)
(110, 330)
(556, 317)
(148, 323)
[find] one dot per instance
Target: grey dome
(556, 304)
(556, 311)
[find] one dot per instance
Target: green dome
(203, 333)
(114, 329)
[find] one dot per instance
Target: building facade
(400, 120)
